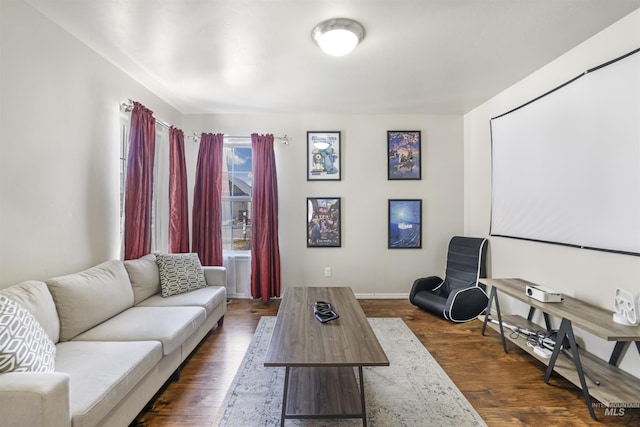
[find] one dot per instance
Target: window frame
(230, 177)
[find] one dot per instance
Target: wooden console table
(614, 385)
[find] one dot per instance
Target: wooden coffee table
(320, 358)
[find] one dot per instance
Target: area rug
(412, 391)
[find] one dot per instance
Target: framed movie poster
(404, 154)
(323, 156)
(405, 224)
(323, 222)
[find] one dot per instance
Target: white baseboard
(358, 296)
(382, 296)
(238, 296)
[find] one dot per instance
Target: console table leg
(547, 322)
(617, 352)
(532, 311)
(619, 349)
(504, 342)
(487, 312)
(566, 331)
(493, 296)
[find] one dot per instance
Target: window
(160, 195)
(160, 198)
(237, 182)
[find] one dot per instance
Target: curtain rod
(128, 107)
(284, 139)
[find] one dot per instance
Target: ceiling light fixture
(338, 36)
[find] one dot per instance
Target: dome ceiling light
(338, 36)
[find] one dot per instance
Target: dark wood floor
(505, 389)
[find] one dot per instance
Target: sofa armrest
(34, 399)
(215, 275)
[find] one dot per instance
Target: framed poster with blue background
(405, 224)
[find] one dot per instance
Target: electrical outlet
(327, 272)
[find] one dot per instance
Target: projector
(543, 294)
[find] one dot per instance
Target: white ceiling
(429, 56)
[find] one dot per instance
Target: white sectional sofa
(117, 341)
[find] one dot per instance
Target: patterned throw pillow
(24, 344)
(180, 273)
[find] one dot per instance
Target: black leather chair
(459, 297)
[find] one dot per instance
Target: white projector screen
(566, 166)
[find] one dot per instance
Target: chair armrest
(215, 275)
(466, 304)
(34, 399)
(430, 283)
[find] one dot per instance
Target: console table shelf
(616, 385)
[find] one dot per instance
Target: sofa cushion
(24, 345)
(102, 373)
(209, 298)
(169, 325)
(90, 297)
(144, 276)
(179, 273)
(36, 298)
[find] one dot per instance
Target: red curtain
(139, 183)
(265, 252)
(178, 201)
(207, 200)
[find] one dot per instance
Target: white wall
(59, 170)
(363, 262)
(588, 275)
(59, 148)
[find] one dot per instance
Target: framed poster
(405, 224)
(323, 156)
(323, 222)
(404, 154)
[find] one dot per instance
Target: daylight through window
(237, 182)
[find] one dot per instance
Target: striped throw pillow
(180, 273)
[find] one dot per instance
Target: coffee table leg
(284, 396)
(364, 409)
